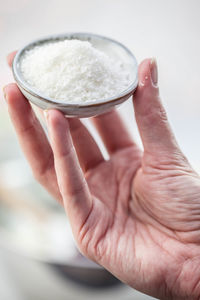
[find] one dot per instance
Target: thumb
(150, 114)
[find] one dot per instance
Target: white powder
(73, 71)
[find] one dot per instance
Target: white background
(168, 30)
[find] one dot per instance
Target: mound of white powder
(73, 71)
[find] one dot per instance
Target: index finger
(73, 186)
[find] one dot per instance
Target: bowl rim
(70, 35)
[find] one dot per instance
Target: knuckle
(40, 173)
(32, 124)
(155, 114)
(162, 114)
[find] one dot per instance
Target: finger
(73, 187)
(10, 58)
(112, 131)
(150, 114)
(87, 150)
(32, 139)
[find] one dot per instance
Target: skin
(138, 213)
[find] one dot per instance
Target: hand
(137, 214)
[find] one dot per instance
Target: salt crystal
(73, 71)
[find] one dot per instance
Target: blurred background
(36, 243)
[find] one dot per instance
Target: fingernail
(154, 71)
(4, 92)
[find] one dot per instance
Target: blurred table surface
(168, 30)
(36, 281)
(8, 289)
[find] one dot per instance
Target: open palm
(137, 214)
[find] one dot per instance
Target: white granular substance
(73, 71)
